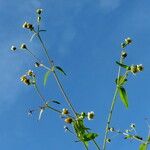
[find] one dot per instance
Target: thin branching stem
(112, 108)
(56, 77)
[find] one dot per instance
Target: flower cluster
(136, 68)
(27, 80)
(27, 25)
(126, 42)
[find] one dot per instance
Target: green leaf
(128, 137)
(123, 96)
(60, 69)
(90, 136)
(46, 76)
(122, 65)
(56, 102)
(121, 81)
(143, 147)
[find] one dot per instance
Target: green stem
(96, 144)
(112, 108)
(85, 146)
(56, 77)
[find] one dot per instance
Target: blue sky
(83, 37)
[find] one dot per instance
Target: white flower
(90, 115)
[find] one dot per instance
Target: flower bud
(25, 25)
(30, 73)
(65, 111)
(134, 69)
(23, 46)
(123, 45)
(68, 120)
(132, 125)
(37, 64)
(13, 48)
(123, 54)
(25, 80)
(140, 67)
(128, 41)
(108, 140)
(90, 115)
(39, 11)
(38, 18)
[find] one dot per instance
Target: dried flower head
(68, 120)
(90, 115)
(13, 48)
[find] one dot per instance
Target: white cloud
(107, 6)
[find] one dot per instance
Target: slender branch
(56, 77)
(39, 93)
(112, 107)
(34, 56)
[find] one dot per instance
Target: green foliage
(60, 69)
(123, 96)
(46, 76)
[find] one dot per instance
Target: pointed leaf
(122, 65)
(90, 136)
(46, 76)
(60, 69)
(56, 102)
(143, 147)
(123, 96)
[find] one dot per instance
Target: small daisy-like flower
(90, 115)
(128, 41)
(140, 67)
(65, 111)
(25, 25)
(30, 73)
(68, 120)
(23, 46)
(134, 69)
(25, 80)
(39, 11)
(13, 48)
(28, 26)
